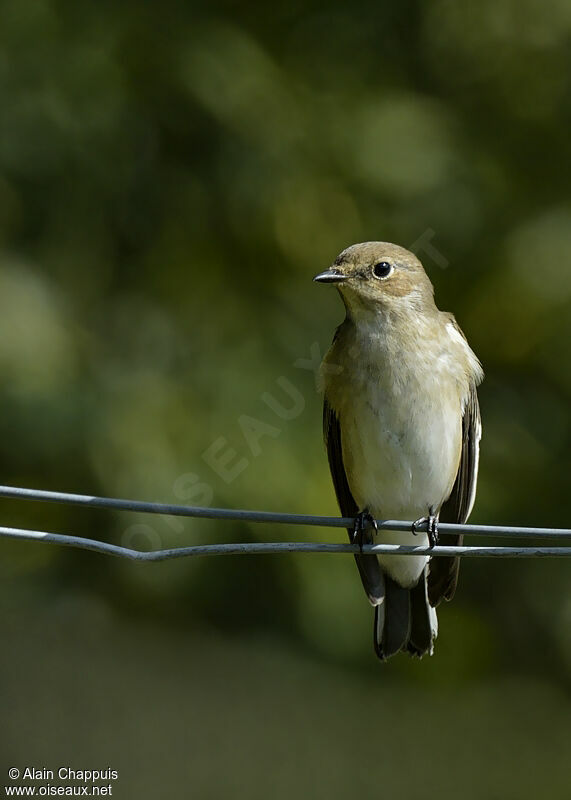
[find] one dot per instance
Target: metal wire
(267, 516)
(563, 534)
(251, 548)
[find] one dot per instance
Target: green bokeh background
(172, 175)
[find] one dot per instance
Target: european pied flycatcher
(402, 430)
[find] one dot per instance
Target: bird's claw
(430, 524)
(360, 527)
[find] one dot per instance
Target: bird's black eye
(382, 270)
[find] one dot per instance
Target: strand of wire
(268, 516)
(253, 548)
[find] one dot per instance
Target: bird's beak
(331, 275)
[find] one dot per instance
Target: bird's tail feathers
(405, 620)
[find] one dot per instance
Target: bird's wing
(443, 573)
(369, 567)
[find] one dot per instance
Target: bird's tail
(405, 620)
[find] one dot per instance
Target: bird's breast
(401, 424)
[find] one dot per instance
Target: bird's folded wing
(443, 573)
(369, 567)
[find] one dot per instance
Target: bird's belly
(401, 461)
(401, 473)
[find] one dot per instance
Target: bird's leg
(360, 526)
(431, 522)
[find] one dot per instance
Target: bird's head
(379, 275)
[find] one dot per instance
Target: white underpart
(399, 469)
(401, 425)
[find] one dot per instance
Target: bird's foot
(360, 535)
(431, 523)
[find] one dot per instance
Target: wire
(268, 516)
(251, 548)
(275, 547)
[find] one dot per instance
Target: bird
(402, 430)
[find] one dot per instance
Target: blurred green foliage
(171, 177)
